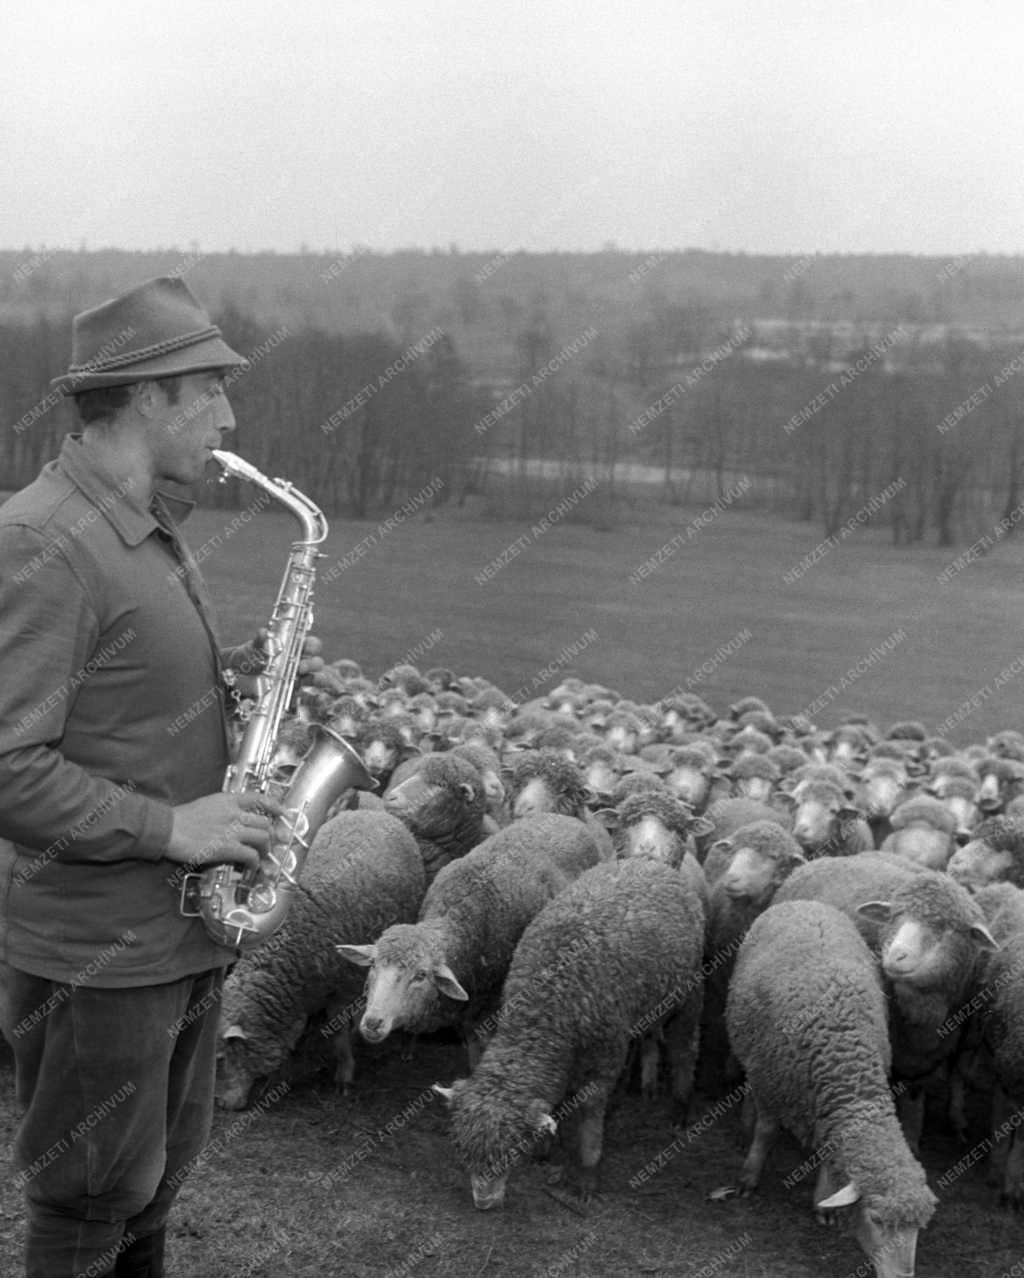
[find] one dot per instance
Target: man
(112, 752)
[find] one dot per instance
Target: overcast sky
(776, 126)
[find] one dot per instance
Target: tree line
(362, 421)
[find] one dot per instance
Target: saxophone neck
(307, 512)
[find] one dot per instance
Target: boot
(144, 1258)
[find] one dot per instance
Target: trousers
(117, 1089)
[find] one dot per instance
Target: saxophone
(244, 908)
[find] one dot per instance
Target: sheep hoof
(1013, 1198)
(723, 1192)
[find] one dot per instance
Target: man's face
(183, 435)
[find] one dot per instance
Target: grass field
(396, 1202)
(384, 592)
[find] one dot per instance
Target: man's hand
(222, 827)
(251, 659)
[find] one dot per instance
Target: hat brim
(204, 356)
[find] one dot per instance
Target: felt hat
(155, 330)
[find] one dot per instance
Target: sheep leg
(999, 1155)
(826, 1185)
(1013, 1179)
(910, 1108)
(957, 1109)
(345, 1069)
(475, 1045)
(590, 1133)
(682, 1036)
(766, 1129)
(650, 1059)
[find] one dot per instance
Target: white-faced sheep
(611, 957)
(657, 825)
(443, 804)
(922, 831)
(807, 1018)
(882, 786)
(446, 968)
(696, 776)
(743, 873)
(363, 873)
(545, 781)
(754, 776)
(994, 854)
(825, 823)
(932, 941)
(956, 785)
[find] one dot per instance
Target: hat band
(144, 353)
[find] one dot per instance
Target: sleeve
(48, 630)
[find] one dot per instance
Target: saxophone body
(244, 908)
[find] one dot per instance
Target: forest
(881, 389)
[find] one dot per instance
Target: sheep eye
(419, 976)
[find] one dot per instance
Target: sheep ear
(848, 812)
(448, 983)
(609, 818)
(361, 955)
(447, 1094)
(786, 799)
(235, 1031)
(845, 1197)
(876, 911)
(701, 826)
(982, 937)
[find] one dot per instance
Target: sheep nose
(372, 1028)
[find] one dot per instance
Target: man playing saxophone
(113, 749)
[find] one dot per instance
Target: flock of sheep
(582, 887)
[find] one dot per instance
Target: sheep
(545, 781)
(825, 823)
(695, 777)
(1002, 780)
(806, 1016)
(922, 829)
(443, 804)
(959, 793)
(932, 941)
(883, 785)
(652, 823)
(363, 873)
(446, 968)
(613, 955)
(486, 762)
(1000, 1000)
(847, 882)
(995, 853)
(601, 769)
(727, 815)
(743, 873)
(754, 776)
(383, 747)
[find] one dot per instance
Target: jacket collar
(121, 509)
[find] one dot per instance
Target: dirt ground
(309, 1183)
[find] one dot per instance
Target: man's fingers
(259, 804)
